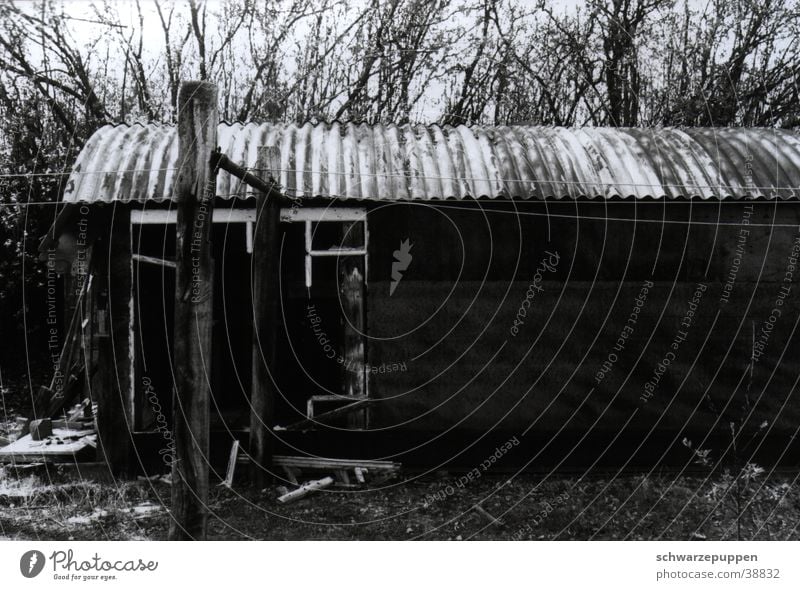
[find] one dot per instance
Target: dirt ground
(435, 507)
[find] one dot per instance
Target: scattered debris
(306, 489)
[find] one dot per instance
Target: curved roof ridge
(137, 162)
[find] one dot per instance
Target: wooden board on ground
(63, 445)
(232, 460)
(305, 489)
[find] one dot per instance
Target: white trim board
(288, 214)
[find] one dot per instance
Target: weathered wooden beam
(195, 191)
(114, 417)
(352, 292)
(233, 458)
(323, 463)
(270, 188)
(264, 272)
(154, 260)
(308, 423)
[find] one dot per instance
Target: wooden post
(114, 368)
(195, 190)
(264, 273)
(351, 291)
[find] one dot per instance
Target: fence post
(196, 187)
(264, 272)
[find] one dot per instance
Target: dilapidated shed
(601, 292)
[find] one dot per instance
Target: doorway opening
(321, 349)
(153, 244)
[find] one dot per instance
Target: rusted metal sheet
(349, 161)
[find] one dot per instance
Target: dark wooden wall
(448, 321)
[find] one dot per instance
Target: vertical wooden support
(112, 384)
(266, 298)
(351, 289)
(197, 138)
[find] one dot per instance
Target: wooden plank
(248, 237)
(153, 216)
(265, 268)
(309, 247)
(334, 398)
(339, 252)
(333, 464)
(75, 445)
(316, 399)
(308, 423)
(324, 214)
(170, 216)
(306, 489)
(360, 473)
(195, 191)
(153, 260)
(232, 459)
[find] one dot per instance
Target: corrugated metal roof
(388, 162)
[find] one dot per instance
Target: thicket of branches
(605, 62)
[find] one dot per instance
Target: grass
(629, 507)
